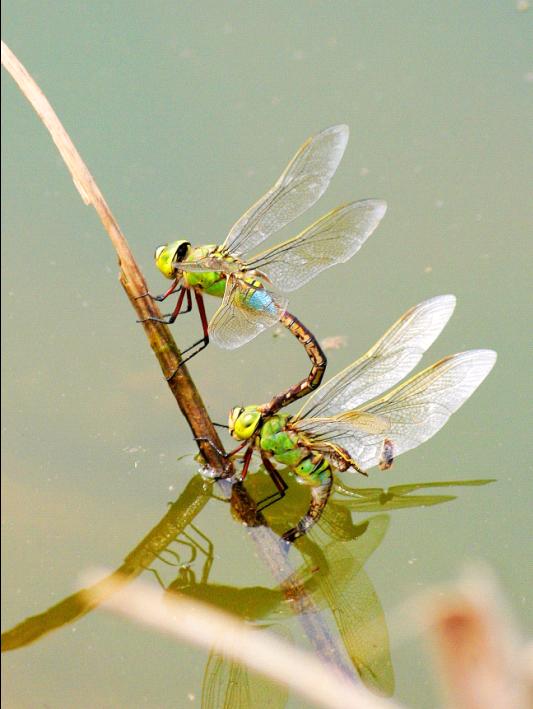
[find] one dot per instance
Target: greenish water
(186, 113)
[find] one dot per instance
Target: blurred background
(186, 113)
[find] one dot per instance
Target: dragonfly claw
(159, 298)
(152, 318)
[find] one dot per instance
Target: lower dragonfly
(253, 287)
(335, 429)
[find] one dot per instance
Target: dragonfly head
(168, 256)
(243, 422)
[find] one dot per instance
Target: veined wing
(334, 238)
(228, 684)
(210, 263)
(327, 429)
(393, 356)
(303, 182)
(225, 684)
(246, 311)
(420, 407)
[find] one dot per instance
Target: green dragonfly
(342, 425)
(253, 288)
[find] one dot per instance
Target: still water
(186, 113)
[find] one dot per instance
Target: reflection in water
(192, 500)
(227, 684)
(331, 579)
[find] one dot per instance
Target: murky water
(186, 113)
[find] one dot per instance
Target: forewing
(392, 357)
(420, 407)
(225, 684)
(334, 238)
(208, 263)
(332, 429)
(302, 183)
(244, 313)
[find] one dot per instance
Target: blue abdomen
(260, 300)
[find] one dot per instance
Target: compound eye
(182, 251)
(159, 251)
(248, 420)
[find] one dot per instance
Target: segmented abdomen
(256, 298)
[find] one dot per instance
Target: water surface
(186, 113)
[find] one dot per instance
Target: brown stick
(159, 335)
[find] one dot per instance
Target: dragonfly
(254, 288)
(348, 424)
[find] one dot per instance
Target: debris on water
(335, 342)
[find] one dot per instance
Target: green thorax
(210, 282)
(281, 442)
(288, 448)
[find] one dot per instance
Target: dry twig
(159, 336)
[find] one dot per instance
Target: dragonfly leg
(169, 319)
(278, 481)
(213, 445)
(226, 456)
(217, 449)
(245, 461)
(318, 360)
(319, 497)
(188, 308)
(160, 298)
(200, 344)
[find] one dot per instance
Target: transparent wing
(246, 311)
(328, 429)
(420, 407)
(334, 238)
(229, 685)
(208, 263)
(225, 684)
(302, 183)
(392, 357)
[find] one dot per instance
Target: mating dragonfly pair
(342, 425)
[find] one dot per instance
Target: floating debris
(335, 342)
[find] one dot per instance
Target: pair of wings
(345, 411)
(333, 239)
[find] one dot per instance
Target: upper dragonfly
(253, 287)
